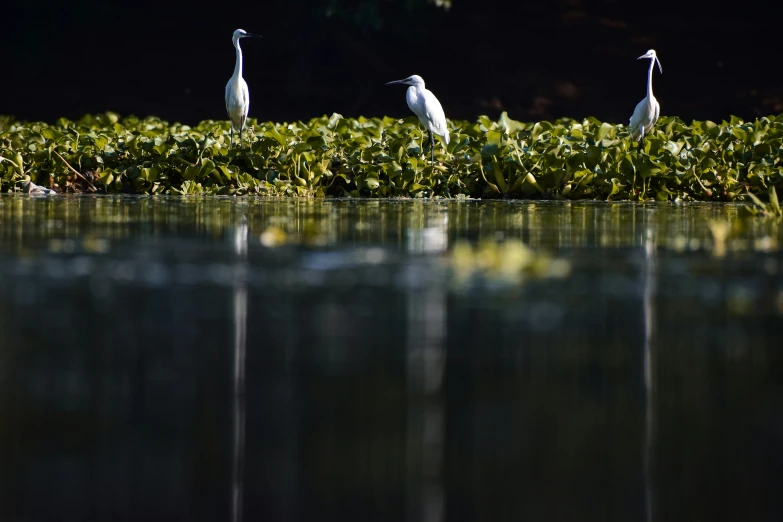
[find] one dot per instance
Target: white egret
(237, 94)
(647, 111)
(426, 106)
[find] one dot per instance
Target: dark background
(536, 60)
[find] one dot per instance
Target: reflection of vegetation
(383, 157)
(507, 262)
(86, 223)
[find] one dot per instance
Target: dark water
(215, 359)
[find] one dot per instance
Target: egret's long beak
(644, 56)
(251, 35)
(396, 82)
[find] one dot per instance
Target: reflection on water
(240, 348)
(213, 359)
(650, 271)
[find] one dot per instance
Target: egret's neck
(416, 89)
(238, 66)
(649, 77)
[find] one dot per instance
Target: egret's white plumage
(237, 93)
(647, 111)
(426, 107)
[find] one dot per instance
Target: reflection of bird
(647, 111)
(427, 107)
(237, 95)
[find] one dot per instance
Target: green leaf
(494, 137)
(501, 181)
(488, 151)
(511, 126)
(272, 133)
(602, 132)
(773, 200)
(191, 173)
(538, 128)
(372, 182)
(740, 134)
(615, 187)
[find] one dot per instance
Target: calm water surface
(221, 359)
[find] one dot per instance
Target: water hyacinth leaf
(19, 162)
(494, 137)
(149, 174)
(372, 182)
(300, 148)
(486, 123)
(511, 126)
(615, 187)
(500, 180)
(531, 180)
(207, 166)
(317, 142)
(602, 132)
(489, 150)
(739, 133)
(191, 173)
(274, 134)
(773, 200)
(107, 177)
(674, 147)
(50, 133)
(516, 185)
(536, 132)
(710, 128)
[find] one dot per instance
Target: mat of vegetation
(387, 157)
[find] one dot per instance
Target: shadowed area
(536, 60)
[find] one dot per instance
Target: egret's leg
(241, 142)
(231, 139)
(432, 147)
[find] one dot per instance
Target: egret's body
(647, 111)
(426, 107)
(237, 93)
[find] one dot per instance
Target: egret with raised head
(647, 111)
(237, 94)
(426, 106)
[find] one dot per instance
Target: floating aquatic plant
(384, 157)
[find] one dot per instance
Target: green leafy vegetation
(771, 209)
(385, 157)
